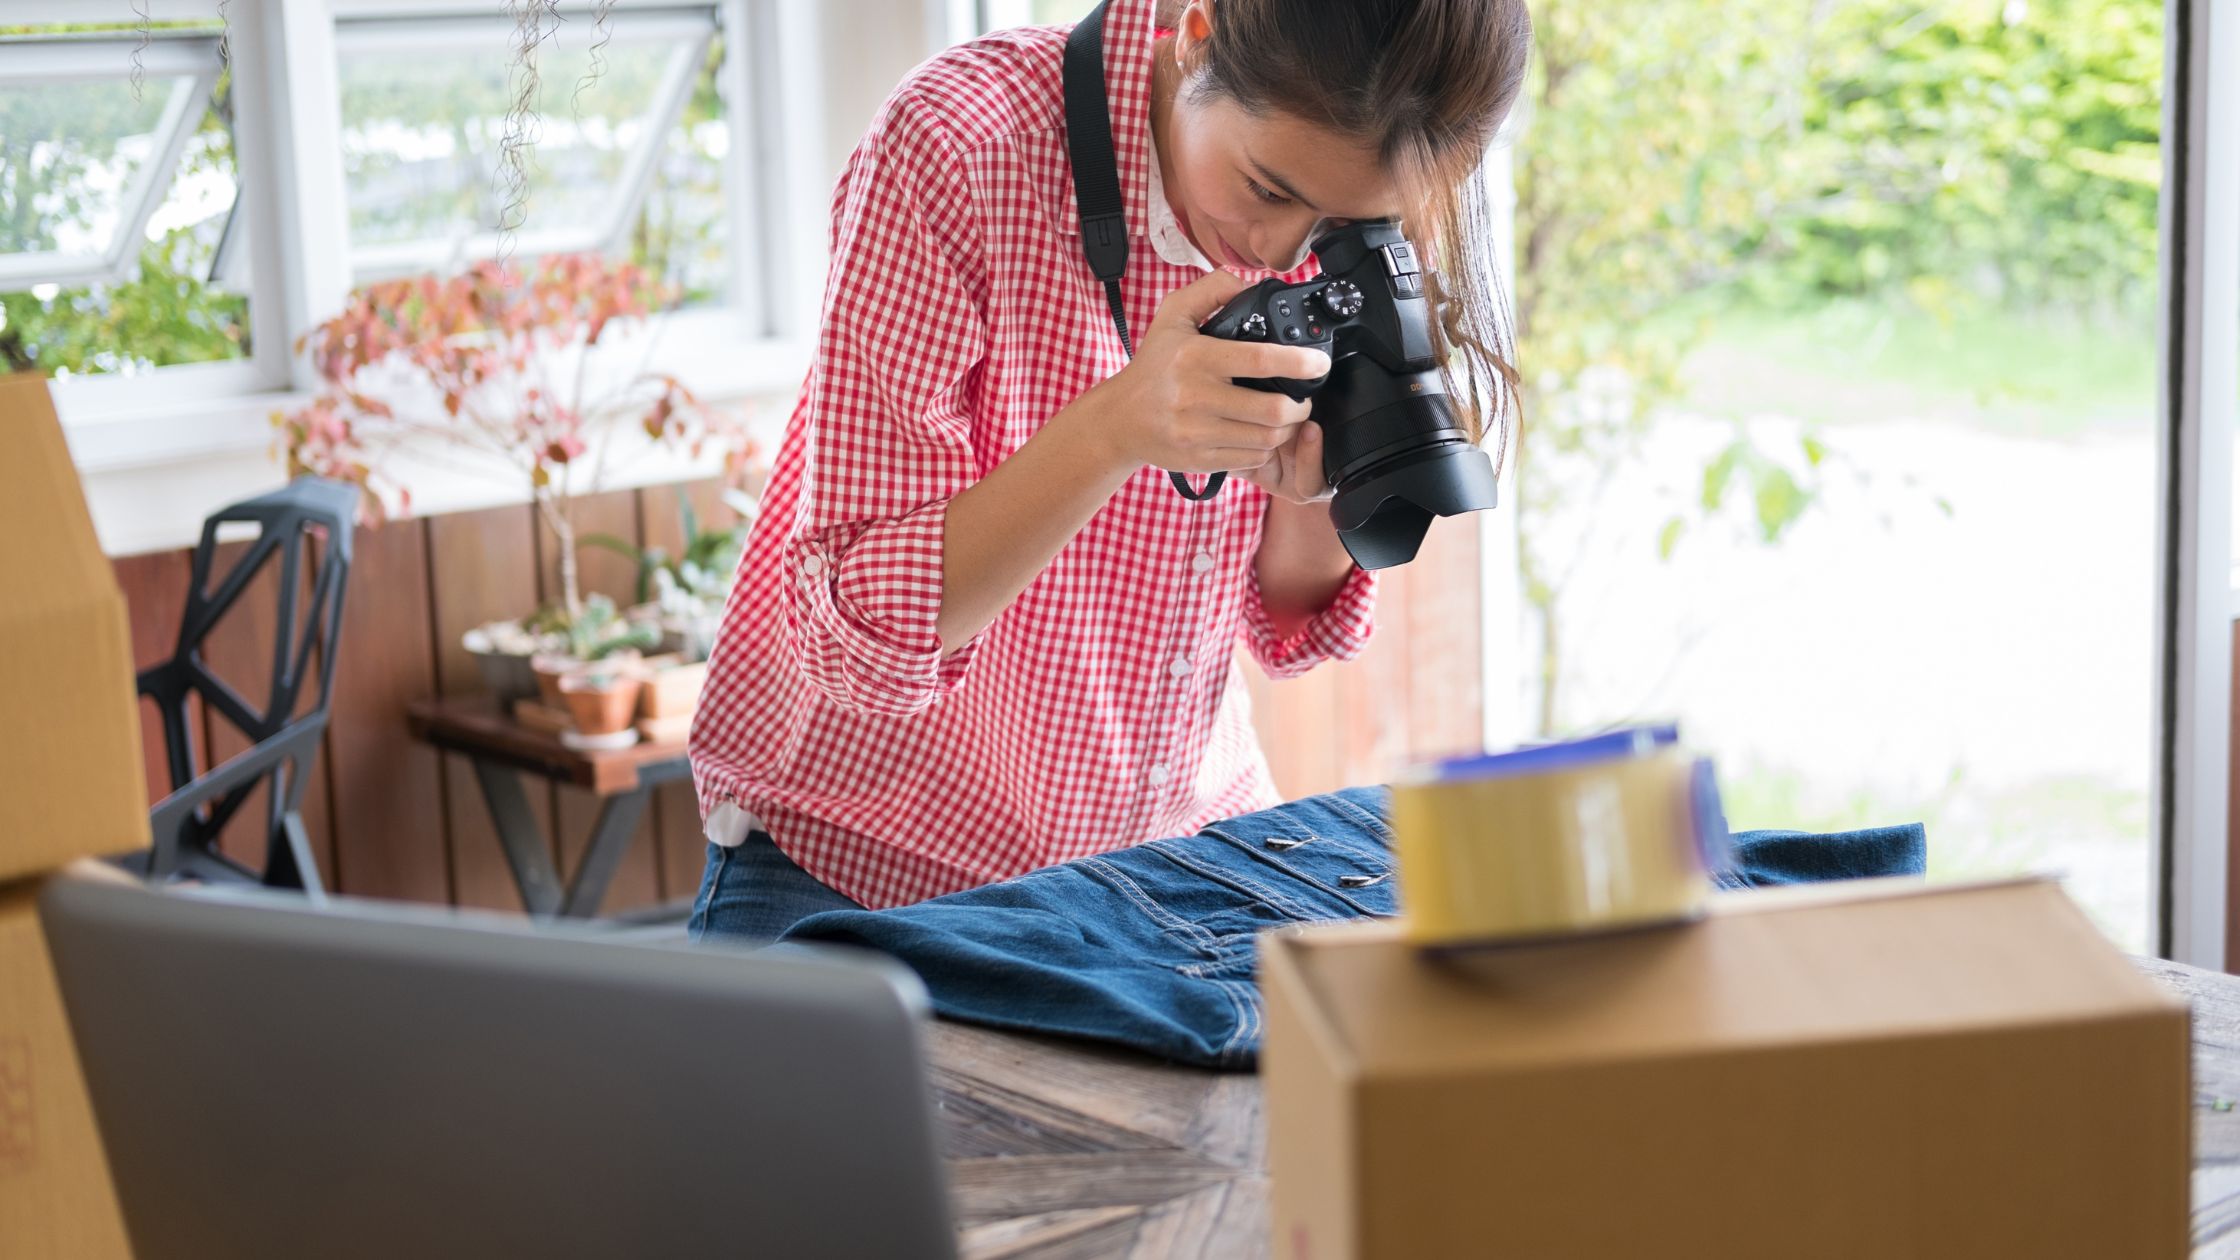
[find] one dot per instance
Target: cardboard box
(1870, 1071)
(70, 748)
(55, 1197)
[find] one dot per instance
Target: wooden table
(502, 750)
(1060, 1149)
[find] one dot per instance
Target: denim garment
(752, 891)
(1152, 946)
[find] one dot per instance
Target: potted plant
(601, 700)
(513, 370)
(684, 593)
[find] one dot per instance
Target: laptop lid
(373, 1080)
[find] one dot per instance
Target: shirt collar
(1168, 239)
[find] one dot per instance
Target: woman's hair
(1424, 84)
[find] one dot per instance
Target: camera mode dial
(1342, 299)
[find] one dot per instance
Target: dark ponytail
(1425, 84)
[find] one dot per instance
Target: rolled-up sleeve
(1337, 633)
(887, 417)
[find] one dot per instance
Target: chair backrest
(282, 733)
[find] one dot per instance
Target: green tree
(1679, 158)
(61, 149)
(1660, 135)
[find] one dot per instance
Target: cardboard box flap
(55, 561)
(1800, 969)
(73, 758)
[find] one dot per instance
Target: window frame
(83, 58)
(157, 450)
(2199, 331)
(686, 31)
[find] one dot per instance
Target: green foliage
(1679, 159)
(595, 631)
(54, 142)
(164, 314)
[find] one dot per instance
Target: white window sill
(151, 473)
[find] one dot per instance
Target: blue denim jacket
(1152, 946)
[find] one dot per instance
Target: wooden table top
(475, 726)
(1061, 1149)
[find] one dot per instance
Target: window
(113, 199)
(1840, 329)
(424, 124)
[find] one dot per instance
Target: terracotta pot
(551, 671)
(601, 703)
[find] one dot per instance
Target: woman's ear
(1193, 33)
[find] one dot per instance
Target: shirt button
(813, 566)
(1157, 775)
(1180, 666)
(1202, 562)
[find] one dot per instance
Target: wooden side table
(502, 750)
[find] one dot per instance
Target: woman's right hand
(1176, 406)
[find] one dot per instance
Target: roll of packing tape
(1614, 832)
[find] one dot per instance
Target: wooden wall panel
(680, 847)
(390, 838)
(482, 567)
(636, 883)
(155, 598)
(406, 824)
(1442, 627)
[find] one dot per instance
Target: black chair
(187, 823)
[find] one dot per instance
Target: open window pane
(684, 234)
(424, 124)
(112, 201)
(1838, 323)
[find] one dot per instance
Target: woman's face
(1253, 190)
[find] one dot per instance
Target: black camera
(1393, 448)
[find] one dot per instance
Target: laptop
(364, 1079)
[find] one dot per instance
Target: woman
(976, 630)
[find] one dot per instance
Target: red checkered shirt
(1103, 707)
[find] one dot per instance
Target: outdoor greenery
(59, 147)
(1680, 167)
(57, 143)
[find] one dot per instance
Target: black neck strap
(1096, 185)
(1096, 171)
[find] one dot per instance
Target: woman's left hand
(1293, 472)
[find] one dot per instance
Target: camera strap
(1096, 186)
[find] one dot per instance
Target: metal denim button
(1362, 881)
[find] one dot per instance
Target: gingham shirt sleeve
(1337, 633)
(888, 422)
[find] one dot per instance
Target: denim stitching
(697, 926)
(1241, 1032)
(1247, 884)
(1236, 880)
(1151, 908)
(1376, 824)
(1248, 1022)
(1381, 867)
